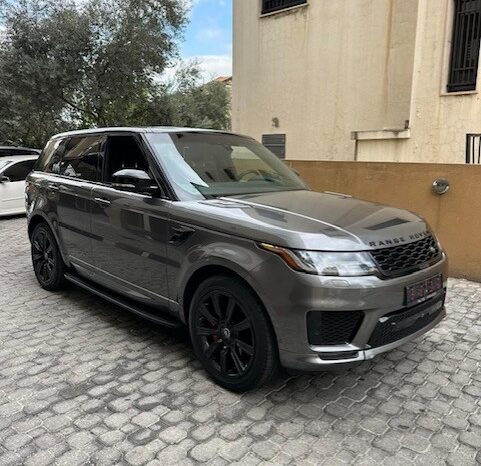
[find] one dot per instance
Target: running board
(111, 297)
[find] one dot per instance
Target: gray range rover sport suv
(211, 230)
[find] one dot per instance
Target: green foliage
(97, 63)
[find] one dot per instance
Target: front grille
(332, 328)
(337, 355)
(397, 325)
(407, 258)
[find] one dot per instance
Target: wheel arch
(40, 217)
(34, 221)
(204, 272)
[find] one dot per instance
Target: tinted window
(123, 152)
(20, 170)
(82, 158)
(51, 155)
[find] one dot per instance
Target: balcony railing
(269, 6)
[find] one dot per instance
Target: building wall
(352, 66)
(439, 120)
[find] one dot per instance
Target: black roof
(17, 150)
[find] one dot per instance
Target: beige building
(367, 80)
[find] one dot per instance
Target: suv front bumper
(377, 300)
(322, 358)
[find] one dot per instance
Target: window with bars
(269, 6)
(465, 46)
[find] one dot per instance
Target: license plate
(422, 291)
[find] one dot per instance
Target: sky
(208, 37)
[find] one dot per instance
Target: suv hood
(311, 220)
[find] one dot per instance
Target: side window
(20, 170)
(51, 155)
(82, 158)
(123, 152)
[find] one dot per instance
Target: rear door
(12, 191)
(130, 230)
(78, 169)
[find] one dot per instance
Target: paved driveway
(82, 382)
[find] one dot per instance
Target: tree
(65, 65)
(186, 101)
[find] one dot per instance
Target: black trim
(333, 327)
(125, 303)
(400, 324)
(270, 6)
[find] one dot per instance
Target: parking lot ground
(83, 382)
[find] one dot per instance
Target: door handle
(180, 234)
(102, 202)
(52, 187)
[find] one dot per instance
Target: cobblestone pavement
(82, 382)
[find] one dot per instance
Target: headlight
(331, 264)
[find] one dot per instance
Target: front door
(129, 230)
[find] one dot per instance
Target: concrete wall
(455, 216)
(343, 66)
(323, 71)
(439, 120)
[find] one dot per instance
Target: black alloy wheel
(47, 261)
(231, 334)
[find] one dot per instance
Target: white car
(13, 171)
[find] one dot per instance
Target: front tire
(231, 334)
(47, 261)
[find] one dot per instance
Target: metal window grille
(276, 143)
(465, 46)
(268, 6)
(473, 148)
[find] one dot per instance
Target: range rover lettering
(211, 230)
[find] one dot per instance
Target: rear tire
(231, 334)
(47, 261)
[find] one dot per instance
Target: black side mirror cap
(133, 180)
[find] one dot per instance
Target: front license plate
(422, 291)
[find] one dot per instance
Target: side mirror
(4, 179)
(133, 180)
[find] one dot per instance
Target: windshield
(216, 164)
